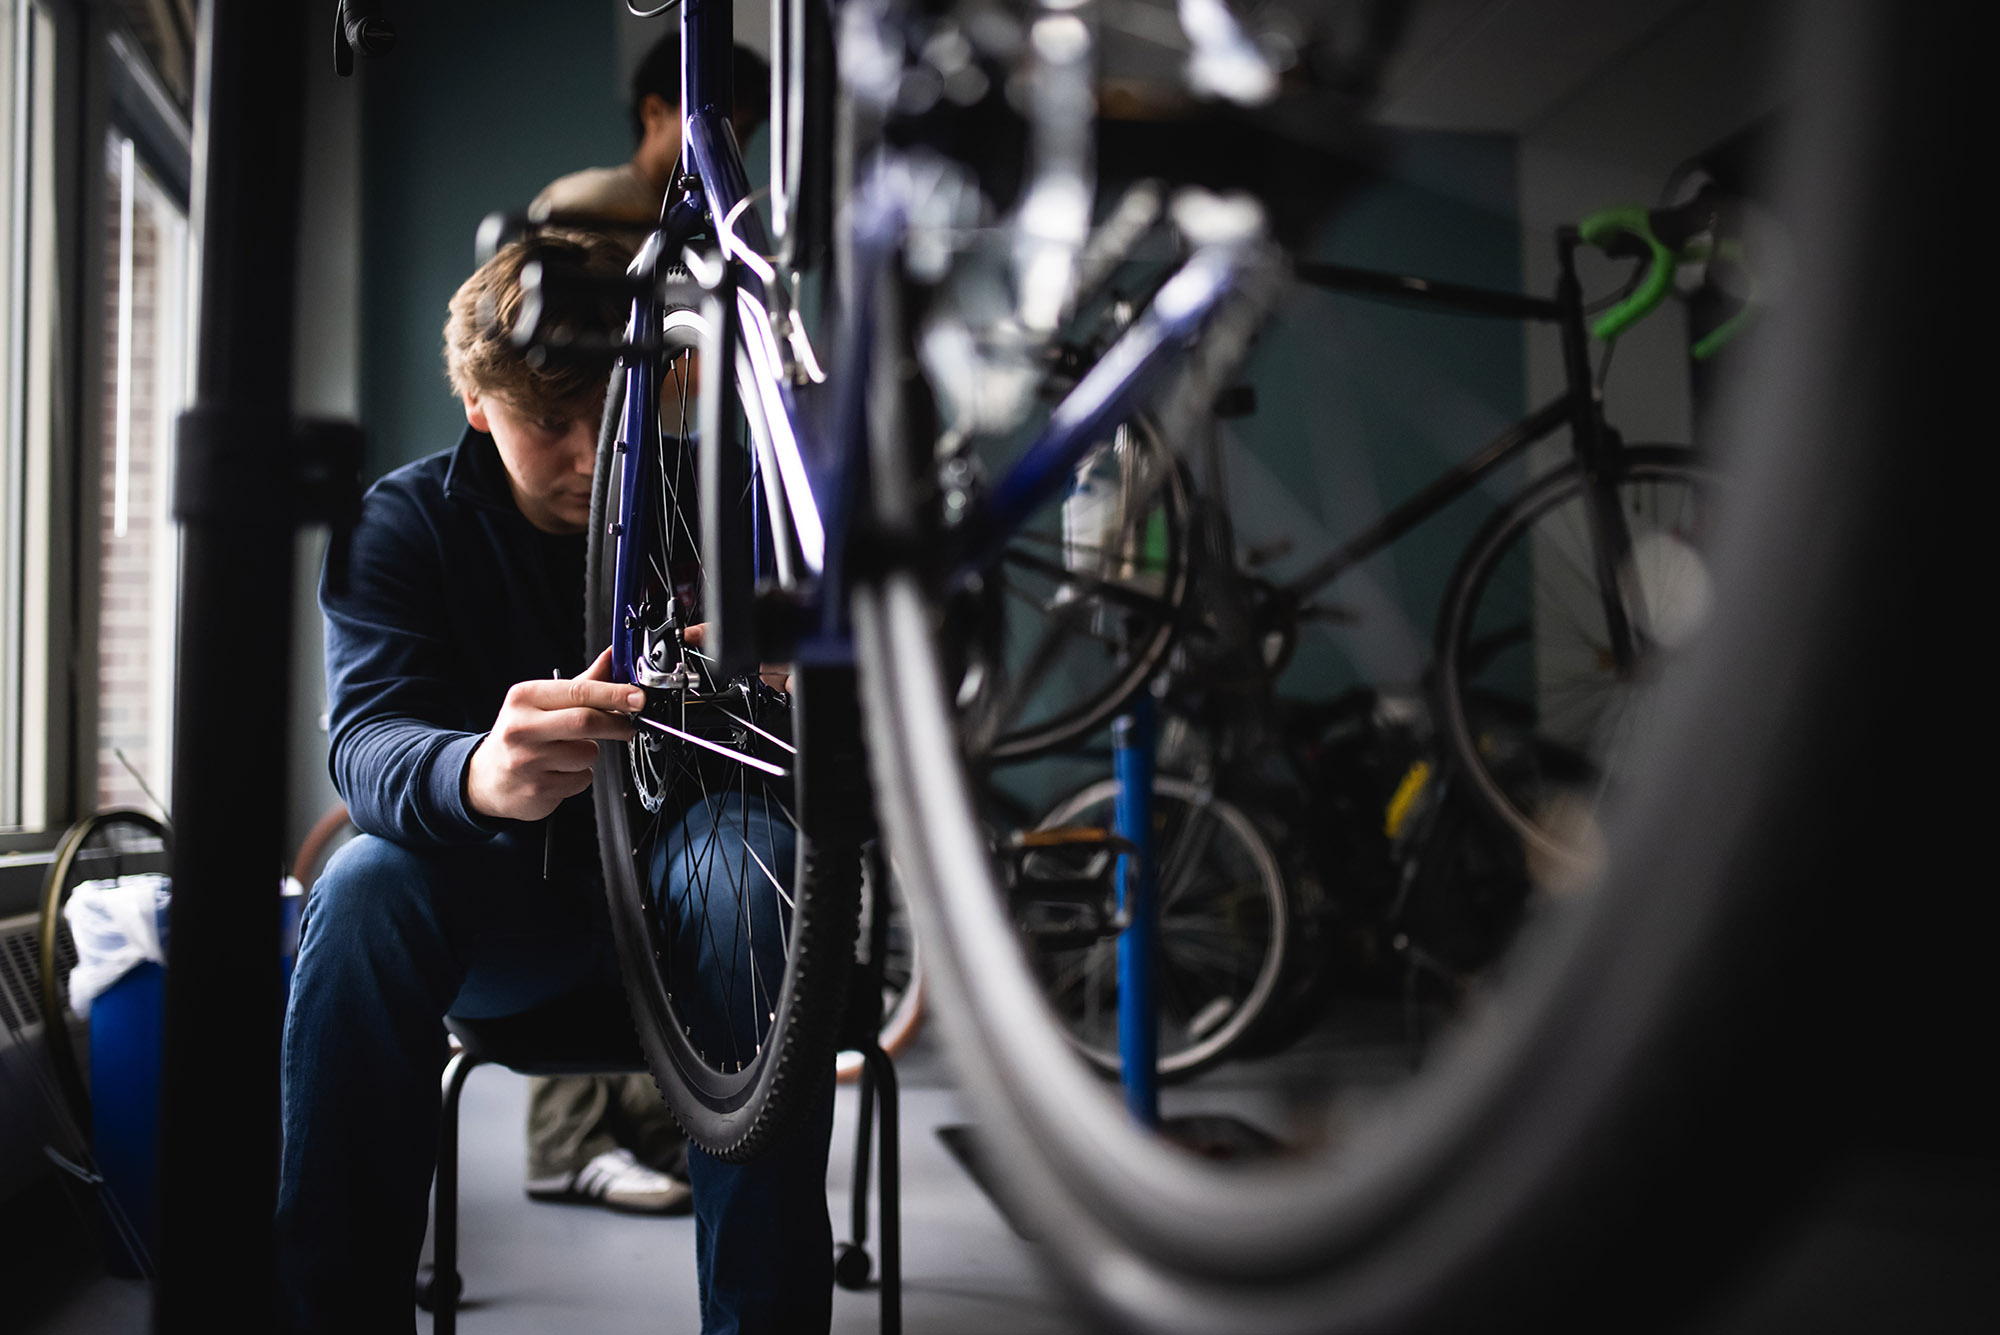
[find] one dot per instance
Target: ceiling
(1501, 66)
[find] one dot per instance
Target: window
(144, 378)
(27, 250)
(95, 262)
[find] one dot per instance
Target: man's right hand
(544, 742)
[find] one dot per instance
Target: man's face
(659, 151)
(548, 463)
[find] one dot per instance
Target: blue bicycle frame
(818, 460)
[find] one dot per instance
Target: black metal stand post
(864, 1144)
(242, 484)
(878, 1110)
(851, 1263)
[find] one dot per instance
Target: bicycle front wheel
(1223, 921)
(1536, 707)
(730, 826)
(1659, 1065)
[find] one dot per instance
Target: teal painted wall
(1362, 401)
(481, 104)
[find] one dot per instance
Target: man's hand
(778, 676)
(545, 740)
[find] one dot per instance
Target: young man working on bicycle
(464, 722)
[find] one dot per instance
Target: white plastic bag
(118, 925)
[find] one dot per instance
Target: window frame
(98, 80)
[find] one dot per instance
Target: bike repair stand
(878, 1102)
(1134, 743)
(1133, 739)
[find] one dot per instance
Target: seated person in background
(608, 1139)
(460, 759)
(632, 190)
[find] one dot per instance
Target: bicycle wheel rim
(1140, 656)
(56, 952)
(1188, 911)
(1572, 705)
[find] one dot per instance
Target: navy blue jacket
(452, 597)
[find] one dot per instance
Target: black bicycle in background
(1388, 835)
(1575, 597)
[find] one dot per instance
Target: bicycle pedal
(1056, 925)
(1064, 890)
(1067, 839)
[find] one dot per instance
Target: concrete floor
(537, 1268)
(533, 1268)
(1900, 1240)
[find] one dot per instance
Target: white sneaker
(616, 1181)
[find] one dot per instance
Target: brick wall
(134, 594)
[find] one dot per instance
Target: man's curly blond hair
(481, 357)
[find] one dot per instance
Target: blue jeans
(394, 939)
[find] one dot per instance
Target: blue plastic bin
(126, 1030)
(127, 1037)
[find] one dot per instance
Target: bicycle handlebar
(1611, 230)
(358, 25)
(1664, 238)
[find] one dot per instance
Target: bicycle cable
(1602, 303)
(653, 13)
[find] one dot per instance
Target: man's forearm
(404, 779)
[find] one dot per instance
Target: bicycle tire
(1199, 917)
(1533, 708)
(1660, 1072)
(56, 951)
(1095, 683)
(902, 986)
(327, 834)
(735, 1103)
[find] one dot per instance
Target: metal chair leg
(863, 1142)
(889, 1181)
(851, 1263)
(445, 1285)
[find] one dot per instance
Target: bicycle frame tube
(1610, 538)
(1107, 395)
(1578, 408)
(1462, 478)
(638, 438)
(1454, 297)
(713, 173)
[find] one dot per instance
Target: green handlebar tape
(1713, 341)
(1598, 229)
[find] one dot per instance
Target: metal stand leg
(439, 1284)
(878, 1110)
(889, 1180)
(1133, 737)
(851, 1262)
(863, 1143)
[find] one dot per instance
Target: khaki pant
(574, 1118)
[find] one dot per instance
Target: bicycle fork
(1597, 449)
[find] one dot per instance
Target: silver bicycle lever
(1224, 62)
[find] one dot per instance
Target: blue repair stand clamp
(1134, 736)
